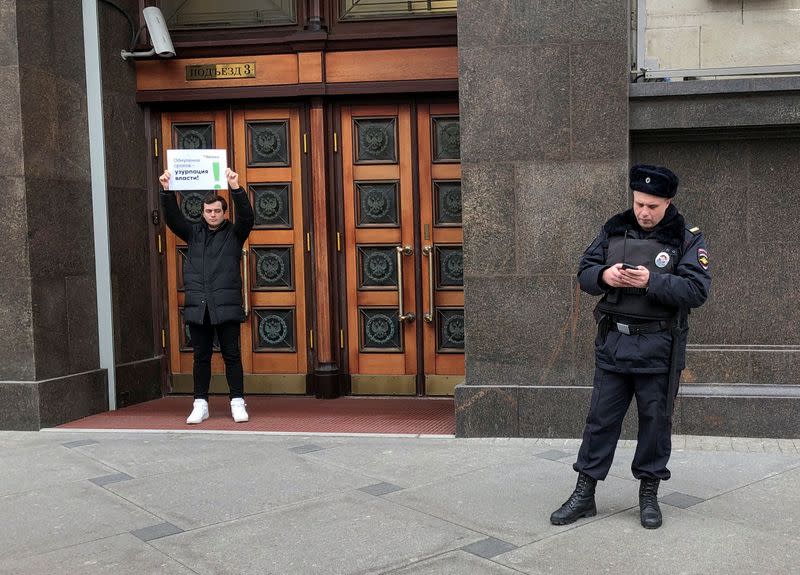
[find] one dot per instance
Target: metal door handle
(401, 251)
(427, 251)
(246, 282)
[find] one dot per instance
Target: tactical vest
(657, 257)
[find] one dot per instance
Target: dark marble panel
(131, 230)
(87, 393)
(775, 367)
(740, 416)
(560, 208)
(562, 412)
(600, 21)
(126, 148)
(81, 321)
(19, 406)
(772, 187)
(139, 381)
(54, 123)
(486, 411)
(488, 219)
(515, 103)
(553, 412)
(773, 296)
(8, 34)
(11, 152)
(585, 333)
(14, 227)
(514, 22)
(525, 322)
(43, 43)
(50, 328)
(60, 227)
(16, 328)
(715, 110)
(598, 100)
(705, 365)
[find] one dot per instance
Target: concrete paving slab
(30, 466)
(415, 463)
(708, 473)
(455, 563)
(191, 499)
(141, 455)
(511, 502)
(772, 505)
(70, 514)
(348, 533)
(687, 543)
(118, 555)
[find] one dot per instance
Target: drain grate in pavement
(681, 500)
(79, 443)
(104, 480)
(553, 455)
(379, 489)
(157, 531)
(489, 547)
(310, 448)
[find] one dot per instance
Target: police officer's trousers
(611, 397)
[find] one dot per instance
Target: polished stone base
(32, 405)
(550, 411)
(140, 381)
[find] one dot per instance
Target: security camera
(159, 36)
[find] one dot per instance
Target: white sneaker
(238, 410)
(199, 412)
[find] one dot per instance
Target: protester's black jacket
(687, 288)
(211, 275)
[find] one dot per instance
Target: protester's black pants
(203, 344)
(611, 397)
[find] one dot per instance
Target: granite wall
(544, 149)
(546, 112)
(49, 364)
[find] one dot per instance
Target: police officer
(650, 268)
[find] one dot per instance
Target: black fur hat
(654, 180)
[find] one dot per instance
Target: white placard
(197, 169)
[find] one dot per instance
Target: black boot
(580, 503)
(649, 511)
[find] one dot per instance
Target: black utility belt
(639, 328)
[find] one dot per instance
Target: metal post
(97, 159)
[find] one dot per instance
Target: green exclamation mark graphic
(217, 186)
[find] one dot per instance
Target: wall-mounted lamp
(159, 36)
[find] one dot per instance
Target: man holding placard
(211, 276)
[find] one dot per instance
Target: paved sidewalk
(216, 503)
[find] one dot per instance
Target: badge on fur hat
(702, 258)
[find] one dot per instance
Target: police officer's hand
(164, 179)
(233, 178)
(637, 278)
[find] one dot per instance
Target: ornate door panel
(265, 148)
(379, 240)
(397, 298)
(442, 240)
(268, 158)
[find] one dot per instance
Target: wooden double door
(378, 296)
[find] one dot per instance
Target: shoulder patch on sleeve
(695, 230)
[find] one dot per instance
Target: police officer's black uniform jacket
(211, 275)
(677, 259)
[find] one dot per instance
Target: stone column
(49, 367)
(544, 148)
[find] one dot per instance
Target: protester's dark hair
(212, 197)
